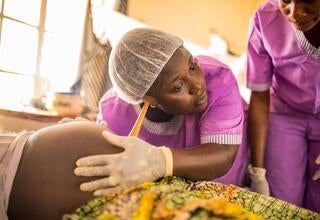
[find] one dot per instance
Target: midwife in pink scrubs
(193, 128)
(283, 73)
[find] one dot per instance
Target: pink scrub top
(221, 122)
(281, 59)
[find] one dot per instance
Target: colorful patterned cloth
(176, 198)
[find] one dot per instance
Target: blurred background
(54, 53)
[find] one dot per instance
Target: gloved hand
(316, 176)
(139, 162)
(258, 179)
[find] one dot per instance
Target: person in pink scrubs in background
(196, 115)
(283, 72)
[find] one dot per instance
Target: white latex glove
(316, 176)
(139, 162)
(258, 179)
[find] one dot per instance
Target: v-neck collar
(162, 128)
(306, 45)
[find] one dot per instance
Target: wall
(196, 19)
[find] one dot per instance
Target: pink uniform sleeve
(222, 122)
(119, 115)
(259, 63)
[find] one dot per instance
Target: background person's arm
(258, 134)
(258, 126)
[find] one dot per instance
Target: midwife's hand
(139, 162)
(316, 176)
(258, 179)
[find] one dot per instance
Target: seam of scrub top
(306, 45)
(162, 128)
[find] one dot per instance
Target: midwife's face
(181, 85)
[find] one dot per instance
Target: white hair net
(137, 59)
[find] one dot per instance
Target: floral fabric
(176, 198)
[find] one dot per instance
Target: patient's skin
(45, 186)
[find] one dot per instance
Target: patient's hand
(316, 176)
(103, 124)
(67, 119)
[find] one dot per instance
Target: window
(40, 43)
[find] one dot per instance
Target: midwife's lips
(301, 25)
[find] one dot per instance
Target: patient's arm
(45, 186)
